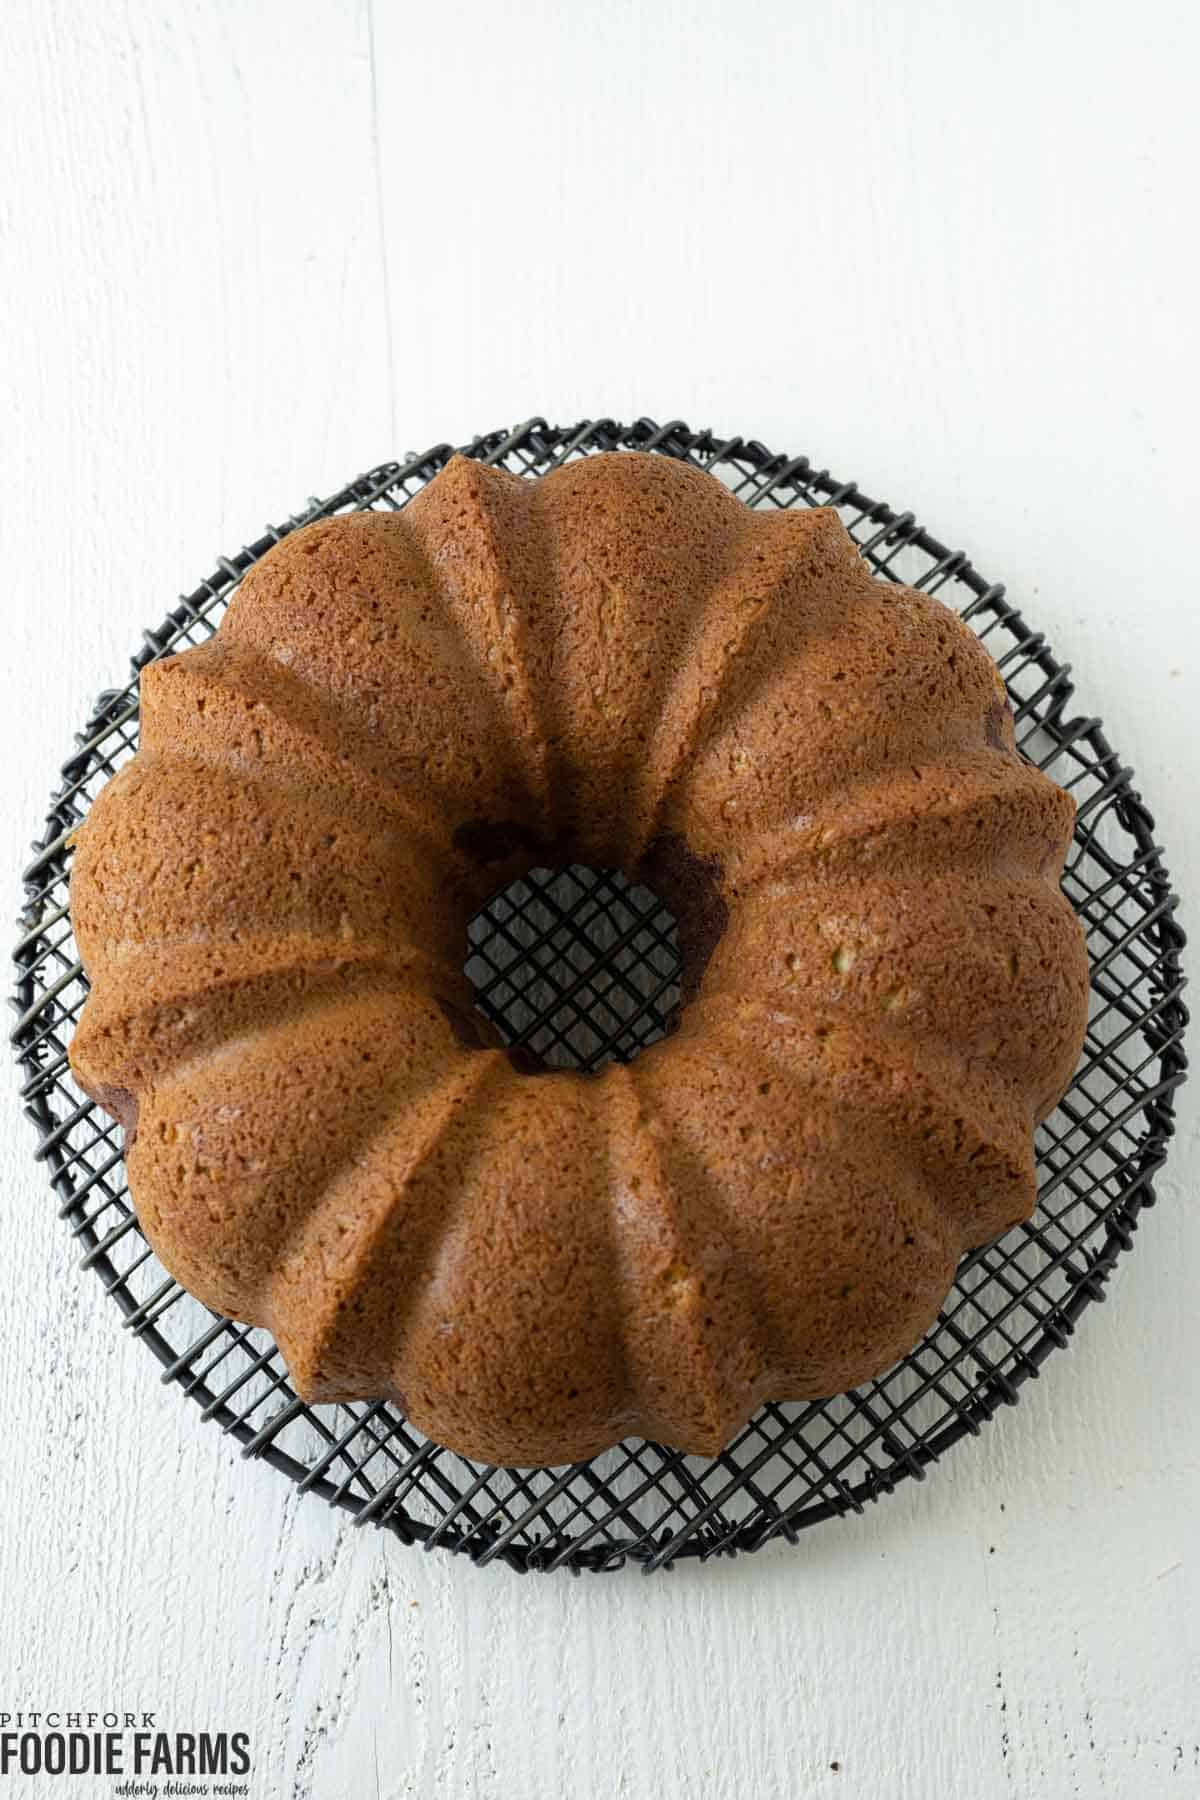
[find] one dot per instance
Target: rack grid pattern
(578, 966)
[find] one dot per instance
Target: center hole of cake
(575, 967)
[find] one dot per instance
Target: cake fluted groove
(751, 584)
(472, 566)
(994, 815)
(377, 1217)
(274, 695)
(207, 852)
(849, 1242)
(238, 1145)
(693, 1360)
(853, 678)
(633, 544)
(186, 1007)
(967, 1128)
(984, 967)
(513, 1346)
(352, 605)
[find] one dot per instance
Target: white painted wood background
(251, 248)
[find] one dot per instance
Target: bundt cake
(620, 665)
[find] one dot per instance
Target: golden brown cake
(619, 665)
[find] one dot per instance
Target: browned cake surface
(621, 665)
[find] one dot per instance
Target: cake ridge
(801, 536)
(869, 1032)
(871, 1044)
(634, 545)
(332, 964)
(1014, 785)
(438, 1107)
(883, 1224)
(709, 697)
(931, 958)
(197, 1169)
(164, 872)
(526, 1255)
(479, 484)
(683, 1282)
(456, 607)
(348, 772)
(352, 606)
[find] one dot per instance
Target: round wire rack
(578, 966)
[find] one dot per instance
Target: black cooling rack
(577, 966)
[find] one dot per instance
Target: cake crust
(883, 987)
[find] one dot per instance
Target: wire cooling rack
(578, 966)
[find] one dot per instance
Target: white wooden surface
(251, 248)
